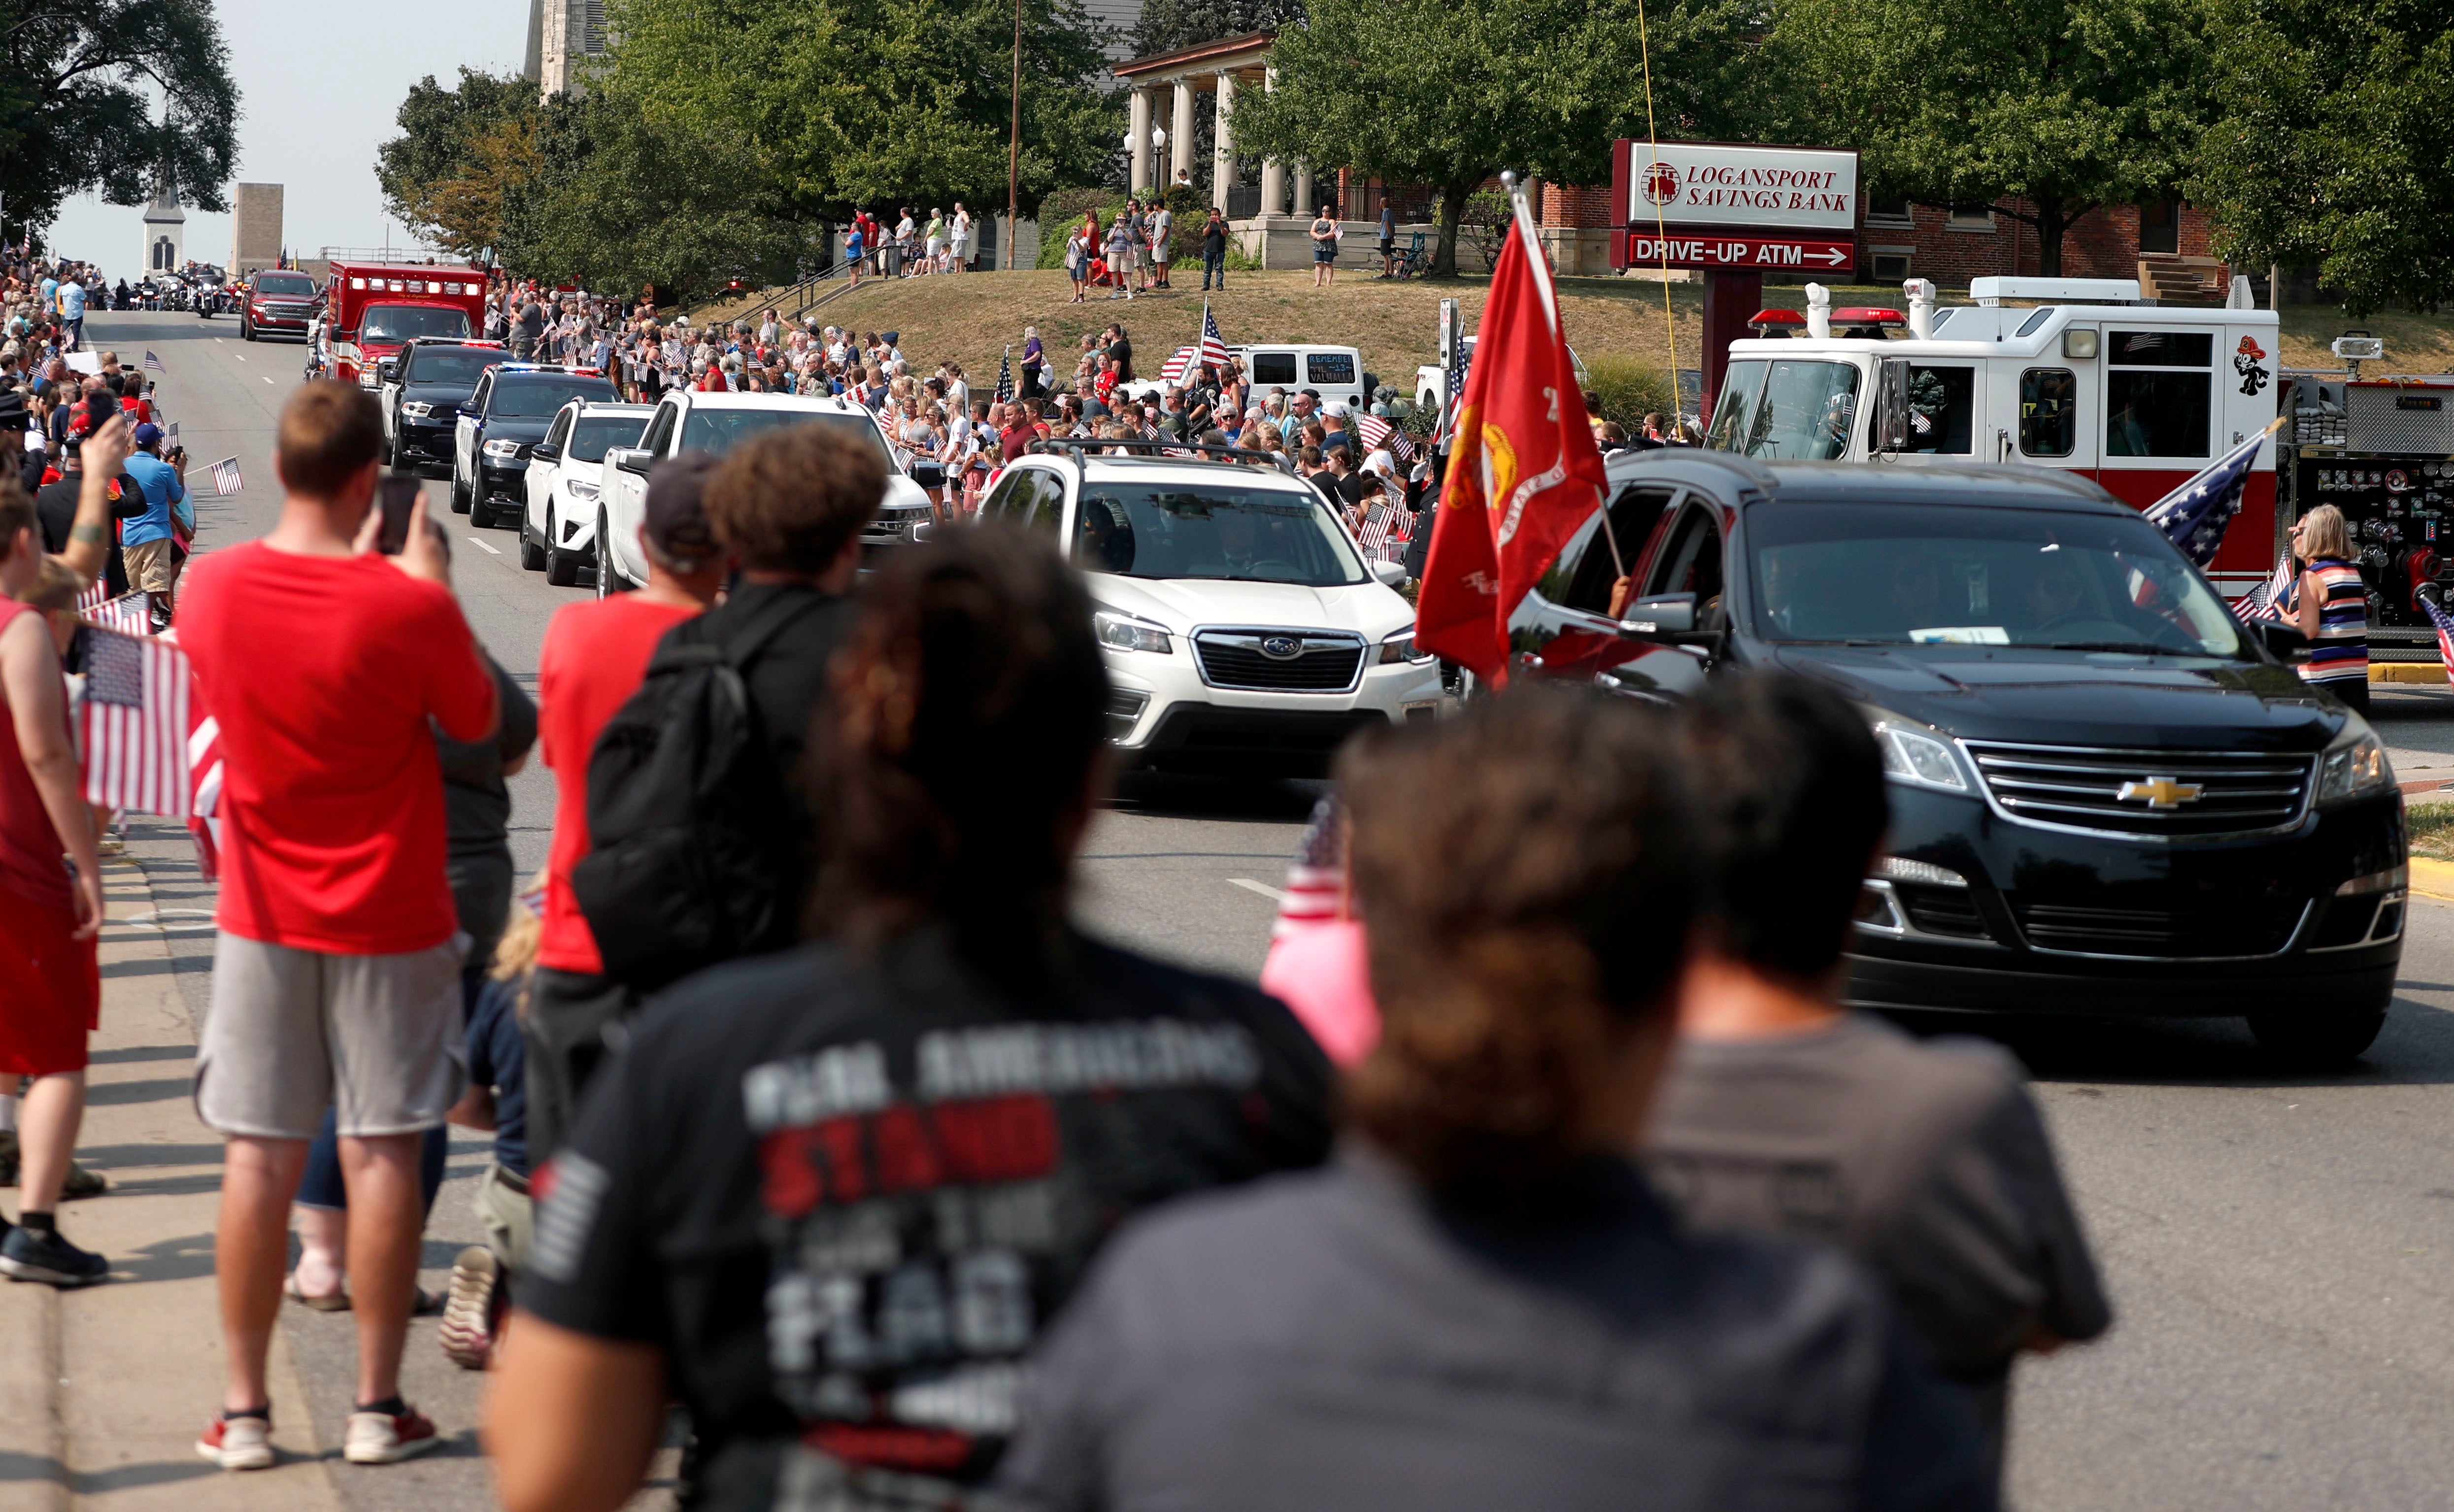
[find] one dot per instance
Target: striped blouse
(2341, 651)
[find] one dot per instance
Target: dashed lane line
(483, 547)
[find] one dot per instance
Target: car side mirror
(629, 459)
(1391, 573)
(546, 451)
(388, 369)
(1892, 406)
(929, 473)
(469, 410)
(1665, 615)
(2283, 642)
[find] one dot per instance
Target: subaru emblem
(1282, 648)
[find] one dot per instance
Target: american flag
(96, 594)
(1005, 376)
(1176, 367)
(1378, 432)
(130, 614)
(226, 478)
(1213, 346)
(1374, 536)
(1316, 889)
(2266, 601)
(2194, 516)
(2444, 624)
(154, 363)
(137, 717)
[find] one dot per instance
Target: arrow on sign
(1833, 257)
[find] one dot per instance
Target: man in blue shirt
(151, 541)
(73, 314)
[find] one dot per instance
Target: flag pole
(1013, 145)
(1522, 217)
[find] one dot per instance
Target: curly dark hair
(1524, 875)
(951, 766)
(788, 500)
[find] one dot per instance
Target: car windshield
(594, 434)
(1906, 574)
(720, 431)
(1244, 536)
(448, 366)
(400, 322)
(284, 284)
(535, 398)
(1795, 410)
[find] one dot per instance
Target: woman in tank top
(2330, 606)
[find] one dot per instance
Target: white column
(1139, 111)
(1222, 157)
(1303, 189)
(1179, 147)
(1274, 174)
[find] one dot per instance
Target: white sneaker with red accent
(238, 1443)
(384, 1437)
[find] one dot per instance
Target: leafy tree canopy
(106, 95)
(2331, 150)
(461, 153)
(2070, 103)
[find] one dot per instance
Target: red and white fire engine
(374, 310)
(2076, 373)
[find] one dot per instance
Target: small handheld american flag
(226, 478)
(1316, 889)
(130, 614)
(1005, 376)
(2444, 624)
(153, 363)
(1213, 346)
(2266, 601)
(135, 724)
(1378, 432)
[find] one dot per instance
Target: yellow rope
(1660, 236)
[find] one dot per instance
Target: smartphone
(395, 496)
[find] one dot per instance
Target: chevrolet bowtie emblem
(2160, 793)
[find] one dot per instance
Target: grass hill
(970, 317)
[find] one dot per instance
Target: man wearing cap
(155, 541)
(594, 657)
(1334, 436)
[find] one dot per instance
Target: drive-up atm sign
(1734, 207)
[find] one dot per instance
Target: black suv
(2107, 794)
(423, 390)
(513, 406)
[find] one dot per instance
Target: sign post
(1735, 212)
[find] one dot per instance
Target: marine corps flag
(1523, 472)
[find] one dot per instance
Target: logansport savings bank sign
(1734, 207)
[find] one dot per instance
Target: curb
(2433, 879)
(2424, 672)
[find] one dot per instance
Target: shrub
(1629, 391)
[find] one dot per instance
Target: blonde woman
(2329, 603)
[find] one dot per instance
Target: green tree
(106, 95)
(1167, 26)
(2332, 147)
(618, 201)
(1448, 92)
(900, 101)
(2069, 103)
(463, 155)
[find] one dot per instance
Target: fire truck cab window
(1942, 410)
(1786, 411)
(2048, 411)
(400, 322)
(2036, 318)
(2149, 413)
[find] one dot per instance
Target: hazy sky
(319, 86)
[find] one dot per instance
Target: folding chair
(1418, 259)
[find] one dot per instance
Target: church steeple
(165, 226)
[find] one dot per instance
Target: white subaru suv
(1243, 631)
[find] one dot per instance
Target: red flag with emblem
(1523, 472)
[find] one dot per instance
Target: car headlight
(505, 449)
(2355, 764)
(1916, 758)
(415, 409)
(1128, 632)
(1401, 647)
(366, 379)
(580, 488)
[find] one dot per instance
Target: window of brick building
(1971, 217)
(1889, 211)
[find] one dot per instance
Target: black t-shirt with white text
(845, 1197)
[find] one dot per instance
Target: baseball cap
(1337, 407)
(148, 434)
(676, 514)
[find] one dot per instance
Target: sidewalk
(102, 1391)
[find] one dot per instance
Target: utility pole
(1014, 146)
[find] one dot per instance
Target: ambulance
(2077, 374)
(375, 310)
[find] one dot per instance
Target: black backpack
(687, 814)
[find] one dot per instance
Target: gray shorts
(380, 1039)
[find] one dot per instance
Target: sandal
(336, 1303)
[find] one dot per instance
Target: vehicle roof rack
(1059, 445)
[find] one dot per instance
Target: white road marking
(240, 355)
(483, 547)
(268, 380)
(1251, 886)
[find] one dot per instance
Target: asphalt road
(2276, 1245)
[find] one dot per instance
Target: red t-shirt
(29, 847)
(595, 654)
(322, 672)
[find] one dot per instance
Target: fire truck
(2381, 450)
(374, 310)
(2074, 374)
